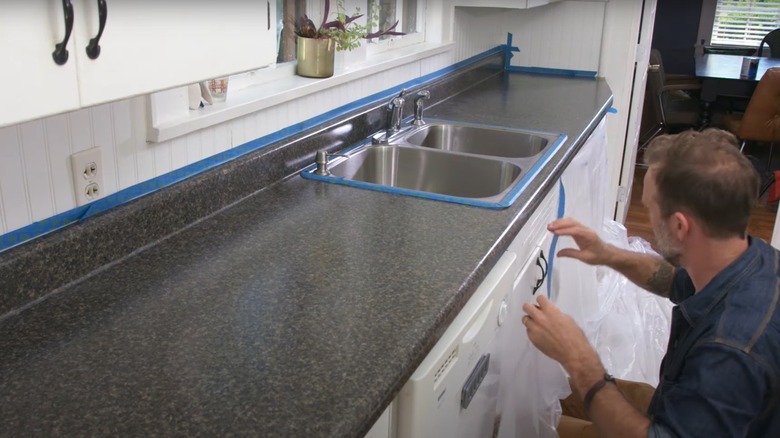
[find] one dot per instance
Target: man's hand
(592, 250)
(650, 272)
(555, 333)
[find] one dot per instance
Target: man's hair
(705, 175)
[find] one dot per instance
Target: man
(721, 372)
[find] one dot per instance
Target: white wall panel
(239, 133)
(125, 148)
(478, 30)
(13, 186)
(208, 142)
(58, 146)
(178, 153)
(194, 147)
(565, 35)
(35, 160)
(103, 137)
(222, 138)
(163, 157)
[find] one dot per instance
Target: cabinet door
(33, 84)
(152, 45)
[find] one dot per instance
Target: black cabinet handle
(540, 281)
(93, 49)
(60, 53)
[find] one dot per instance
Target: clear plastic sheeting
(631, 328)
(536, 383)
(628, 326)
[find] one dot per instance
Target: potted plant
(316, 47)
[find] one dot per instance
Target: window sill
(288, 87)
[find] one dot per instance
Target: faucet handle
(418, 106)
(397, 100)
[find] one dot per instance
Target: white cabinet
(535, 3)
(511, 4)
(145, 47)
(33, 85)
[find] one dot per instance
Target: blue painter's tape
(551, 254)
(554, 71)
(612, 110)
(508, 49)
(39, 228)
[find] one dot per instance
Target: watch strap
(596, 388)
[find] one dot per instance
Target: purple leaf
(335, 24)
(325, 14)
(352, 18)
(388, 31)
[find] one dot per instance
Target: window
(744, 22)
(410, 21)
(406, 12)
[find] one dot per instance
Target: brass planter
(315, 57)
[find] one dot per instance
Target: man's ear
(681, 224)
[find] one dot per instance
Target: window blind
(744, 22)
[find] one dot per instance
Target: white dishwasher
(455, 392)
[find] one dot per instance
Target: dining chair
(672, 99)
(761, 120)
(772, 39)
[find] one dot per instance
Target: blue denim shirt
(721, 372)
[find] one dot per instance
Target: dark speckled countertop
(299, 311)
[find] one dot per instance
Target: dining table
(720, 75)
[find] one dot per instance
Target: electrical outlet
(87, 173)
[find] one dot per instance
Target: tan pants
(575, 422)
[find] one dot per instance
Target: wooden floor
(761, 224)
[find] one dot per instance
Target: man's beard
(667, 247)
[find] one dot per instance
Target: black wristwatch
(596, 388)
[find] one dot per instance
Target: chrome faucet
(395, 114)
(418, 106)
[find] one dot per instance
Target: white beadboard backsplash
(563, 35)
(35, 180)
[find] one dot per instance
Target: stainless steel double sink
(479, 165)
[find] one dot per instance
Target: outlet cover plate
(87, 175)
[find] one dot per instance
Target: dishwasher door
(454, 391)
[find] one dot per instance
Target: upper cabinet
(511, 4)
(34, 85)
(143, 46)
(535, 3)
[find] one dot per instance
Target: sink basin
(478, 165)
(474, 139)
(429, 171)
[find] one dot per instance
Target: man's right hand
(592, 250)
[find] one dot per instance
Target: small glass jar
(218, 88)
